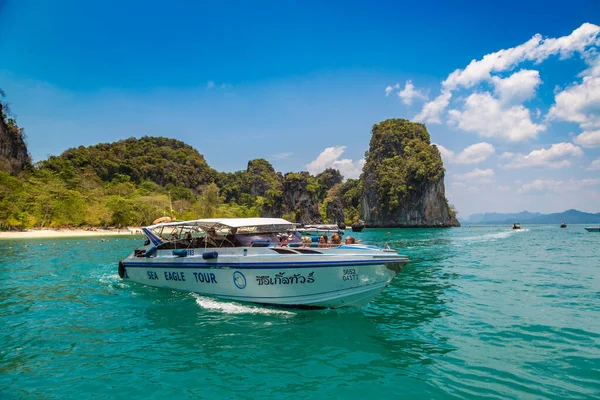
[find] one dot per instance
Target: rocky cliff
(334, 211)
(298, 201)
(262, 177)
(14, 156)
(403, 179)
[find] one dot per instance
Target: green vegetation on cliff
(259, 183)
(134, 181)
(156, 159)
(402, 160)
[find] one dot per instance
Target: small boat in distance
(259, 260)
(563, 225)
(593, 228)
(516, 225)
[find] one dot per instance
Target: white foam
(234, 308)
(493, 236)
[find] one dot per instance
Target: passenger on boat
(336, 239)
(323, 241)
(188, 236)
(349, 240)
(306, 241)
(231, 238)
(283, 241)
(212, 237)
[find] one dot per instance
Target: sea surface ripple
(480, 312)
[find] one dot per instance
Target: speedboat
(318, 230)
(593, 228)
(563, 225)
(259, 260)
(516, 225)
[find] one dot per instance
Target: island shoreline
(67, 233)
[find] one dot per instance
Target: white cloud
(550, 158)
(594, 166)
(325, 159)
(473, 154)
(433, 109)
(552, 186)
(518, 87)
(540, 186)
(506, 155)
(579, 103)
(588, 139)
(282, 156)
(350, 169)
(329, 159)
(476, 176)
(537, 49)
(390, 89)
(213, 84)
(409, 93)
(447, 155)
(486, 116)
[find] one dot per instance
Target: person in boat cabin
(212, 237)
(231, 237)
(323, 241)
(336, 239)
(306, 241)
(283, 241)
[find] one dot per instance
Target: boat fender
(121, 269)
(180, 253)
(210, 255)
(150, 252)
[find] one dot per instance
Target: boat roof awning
(277, 224)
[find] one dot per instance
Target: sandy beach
(62, 233)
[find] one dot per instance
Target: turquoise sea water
(478, 313)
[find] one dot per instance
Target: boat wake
(234, 308)
(493, 236)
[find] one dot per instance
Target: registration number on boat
(350, 274)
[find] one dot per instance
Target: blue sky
(302, 83)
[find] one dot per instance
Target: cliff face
(262, 177)
(403, 179)
(427, 208)
(335, 212)
(13, 150)
(297, 199)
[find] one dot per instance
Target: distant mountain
(569, 216)
(490, 218)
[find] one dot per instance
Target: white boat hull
(324, 281)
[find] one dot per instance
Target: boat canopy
(245, 224)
